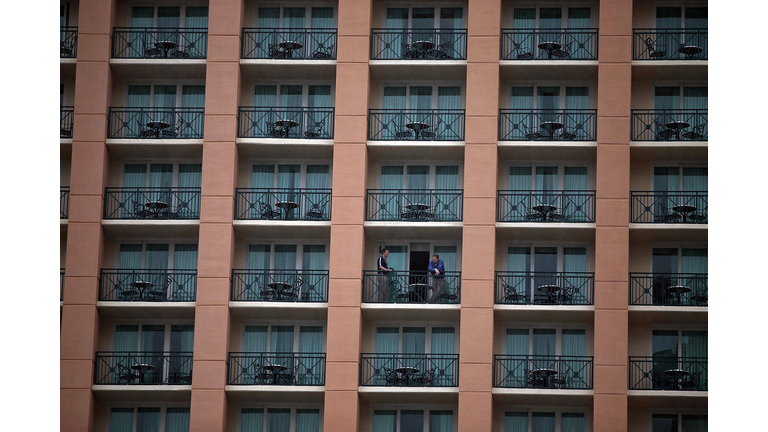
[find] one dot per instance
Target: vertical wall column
(85, 238)
(217, 237)
(612, 232)
(350, 158)
(479, 234)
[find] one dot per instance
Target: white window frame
(302, 170)
(182, 10)
(148, 162)
(679, 248)
(560, 252)
(679, 329)
(561, 165)
(563, 88)
(435, 89)
(304, 90)
(679, 166)
(299, 250)
(558, 411)
(432, 170)
(426, 408)
(682, 7)
(143, 242)
(437, 7)
(427, 325)
(679, 413)
(296, 331)
(307, 12)
(141, 323)
(593, 9)
(163, 411)
(152, 83)
(558, 327)
(432, 243)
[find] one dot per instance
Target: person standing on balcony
(437, 270)
(382, 280)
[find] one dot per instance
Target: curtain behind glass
(695, 261)
(192, 96)
(519, 261)
(546, 181)
(269, 18)
(157, 257)
(190, 175)
(165, 96)
(184, 258)
(252, 420)
(543, 422)
(664, 423)
(319, 97)
(421, 98)
(265, 96)
(451, 18)
(289, 177)
(389, 203)
(666, 179)
(126, 338)
(294, 18)
(694, 344)
(516, 344)
(255, 339)
(196, 17)
(524, 42)
(307, 420)
(579, 18)
(121, 420)
(282, 342)
(398, 258)
(258, 259)
(575, 179)
(387, 342)
(548, 98)
(550, 18)
(574, 344)
(666, 98)
(384, 420)
(577, 98)
(313, 258)
(447, 98)
(521, 99)
(575, 261)
(161, 176)
(446, 178)
(668, 17)
(395, 121)
(130, 256)
(443, 343)
(440, 420)
(138, 96)
(695, 21)
(664, 349)
(544, 342)
(263, 177)
(694, 423)
(414, 342)
(411, 421)
(182, 340)
(695, 98)
(417, 179)
(278, 419)
(168, 17)
(516, 422)
(572, 422)
(141, 17)
(291, 97)
(322, 18)
(520, 186)
(310, 342)
(285, 257)
(148, 419)
(317, 178)
(397, 18)
(695, 179)
(177, 420)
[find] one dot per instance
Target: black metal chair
(267, 212)
(392, 377)
(559, 214)
(315, 131)
(521, 53)
(139, 211)
(427, 377)
(66, 132)
(655, 51)
(124, 375)
(697, 134)
(431, 132)
(564, 52)
(663, 133)
(692, 382)
(315, 212)
(278, 52)
(531, 134)
(276, 131)
(569, 293)
(176, 132)
(151, 51)
(322, 53)
(182, 51)
(511, 295)
(145, 132)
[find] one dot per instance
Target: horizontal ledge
(672, 226)
(159, 142)
(145, 304)
(156, 388)
(287, 62)
(405, 306)
(539, 225)
(426, 224)
(158, 62)
(540, 308)
(382, 389)
(274, 388)
(667, 393)
(415, 143)
(283, 141)
(522, 143)
(144, 222)
(667, 144)
(282, 223)
(551, 392)
(670, 63)
(669, 309)
(548, 62)
(417, 62)
(278, 305)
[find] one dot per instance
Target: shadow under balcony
(283, 204)
(411, 287)
(669, 125)
(547, 124)
(279, 286)
(159, 43)
(416, 125)
(64, 203)
(143, 368)
(678, 289)
(276, 369)
(67, 121)
(545, 288)
(549, 44)
(419, 44)
(409, 370)
(68, 41)
(285, 123)
(543, 372)
(567, 206)
(414, 205)
(669, 207)
(146, 285)
(289, 44)
(154, 203)
(155, 123)
(689, 44)
(668, 373)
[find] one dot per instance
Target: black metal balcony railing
(669, 207)
(411, 287)
(132, 285)
(156, 123)
(414, 205)
(283, 204)
(293, 369)
(64, 203)
(67, 121)
(549, 44)
(68, 40)
(548, 125)
(419, 44)
(543, 372)
(542, 288)
(670, 44)
(159, 43)
(305, 286)
(304, 123)
(416, 124)
(152, 203)
(409, 370)
(143, 368)
(61, 288)
(573, 206)
(668, 373)
(669, 125)
(289, 44)
(676, 289)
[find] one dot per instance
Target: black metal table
(275, 371)
(678, 291)
(141, 286)
(280, 288)
(290, 46)
(550, 47)
(142, 368)
(544, 209)
(418, 292)
(165, 46)
(551, 127)
(690, 50)
(417, 127)
(417, 209)
(407, 372)
(286, 207)
(422, 47)
(156, 207)
(678, 127)
(678, 375)
(157, 126)
(684, 210)
(286, 125)
(553, 292)
(544, 374)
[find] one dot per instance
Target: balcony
(156, 123)
(156, 203)
(678, 289)
(414, 205)
(546, 206)
(64, 203)
(283, 204)
(548, 125)
(145, 285)
(416, 124)
(669, 125)
(411, 287)
(409, 370)
(285, 123)
(143, 368)
(669, 207)
(549, 44)
(68, 36)
(545, 288)
(668, 373)
(282, 286)
(283, 369)
(543, 372)
(67, 121)
(670, 44)
(289, 44)
(159, 43)
(419, 44)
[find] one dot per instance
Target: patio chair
(655, 51)
(66, 132)
(182, 51)
(664, 134)
(697, 134)
(692, 382)
(176, 131)
(511, 295)
(125, 375)
(559, 215)
(267, 212)
(427, 377)
(410, 52)
(568, 134)
(531, 134)
(322, 53)
(126, 294)
(431, 132)
(144, 131)
(151, 51)
(276, 51)
(275, 131)
(315, 131)
(139, 211)
(569, 293)
(521, 53)
(315, 212)
(450, 295)
(392, 377)
(564, 52)
(399, 292)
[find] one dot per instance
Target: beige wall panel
(343, 334)
(208, 411)
(611, 337)
(211, 328)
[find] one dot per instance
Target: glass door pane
(411, 421)
(288, 180)
(421, 98)
(667, 98)
(516, 422)
(121, 419)
(278, 419)
(543, 422)
(285, 258)
(269, 18)
(138, 96)
(544, 342)
(440, 421)
(148, 419)
(668, 17)
(664, 423)
(165, 96)
(252, 420)
(384, 420)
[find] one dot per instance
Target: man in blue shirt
(437, 270)
(382, 280)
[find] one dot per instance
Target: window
(546, 259)
(545, 341)
(281, 419)
(679, 260)
(167, 347)
(166, 96)
(409, 17)
(538, 421)
(149, 419)
(679, 423)
(157, 256)
(295, 17)
(548, 178)
(64, 14)
(679, 17)
(416, 340)
(279, 338)
(551, 18)
(668, 179)
(413, 419)
(668, 98)
(419, 177)
(289, 257)
(290, 176)
(422, 97)
(680, 349)
(293, 96)
(549, 97)
(166, 175)
(169, 17)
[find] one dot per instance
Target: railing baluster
(536, 371)
(561, 288)
(289, 44)
(159, 43)
(669, 125)
(131, 285)
(276, 368)
(418, 44)
(411, 287)
(267, 285)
